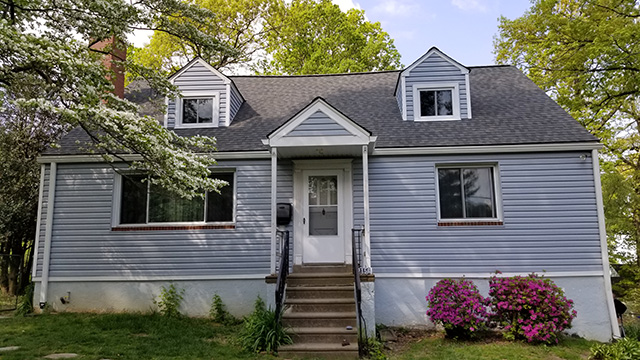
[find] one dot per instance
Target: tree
(52, 80)
(238, 24)
(273, 37)
(585, 53)
(316, 37)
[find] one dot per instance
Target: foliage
(624, 349)
(238, 25)
(374, 349)
(531, 308)
(280, 37)
(458, 306)
(169, 301)
(25, 303)
(584, 53)
(262, 330)
(69, 82)
(219, 312)
(316, 37)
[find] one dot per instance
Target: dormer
(434, 88)
(209, 99)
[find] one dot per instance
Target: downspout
(603, 244)
(274, 209)
(36, 243)
(44, 281)
(365, 199)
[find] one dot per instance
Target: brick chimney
(118, 51)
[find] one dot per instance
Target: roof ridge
(490, 66)
(317, 75)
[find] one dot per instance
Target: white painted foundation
(402, 302)
(238, 295)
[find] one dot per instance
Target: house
(438, 170)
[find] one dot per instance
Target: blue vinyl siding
(200, 79)
(319, 124)
(84, 245)
(549, 212)
(43, 221)
(434, 70)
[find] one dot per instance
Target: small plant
(25, 303)
(625, 349)
(219, 312)
(262, 330)
(530, 308)
(169, 301)
(373, 349)
(458, 306)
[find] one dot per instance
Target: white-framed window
(468, 192)
(139, 202)
(198, 110)
(440, 101)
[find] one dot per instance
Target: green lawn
(119, 336)
(141, 336)
(437, 347)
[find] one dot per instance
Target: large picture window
(467, 193)
(143, 203)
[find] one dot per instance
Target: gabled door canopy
(338, 136)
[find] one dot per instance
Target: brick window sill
(172, 227)
(470, 223)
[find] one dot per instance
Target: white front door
(324, 216)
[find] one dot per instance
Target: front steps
(321, 313)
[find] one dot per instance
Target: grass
(120, 336)
(153, 336)
(437, 347)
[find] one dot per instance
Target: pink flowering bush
(531, 308)
(458, 306)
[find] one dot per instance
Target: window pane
(166, 207)
(205, 110)
(478, 193)
(450, 193)
(323, 205)
(133, 203)
(427, 103)
(445, 104)
(220, 206)
(189, 111)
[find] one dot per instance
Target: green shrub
(262, 330)
(219, 313)
(169, 301)
(25, 303)
(625, 349)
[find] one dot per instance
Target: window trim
(455, 100)
(215, 95)
(117, 205)
(497, 188)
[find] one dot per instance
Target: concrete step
(329, 335)
(319, 279)
(320, 292)
(321, 305)
(319, 351)
(319, 319)
(328, 268)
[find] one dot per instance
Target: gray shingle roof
(507, 109)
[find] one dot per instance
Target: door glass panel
(323, 205)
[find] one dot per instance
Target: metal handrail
(356, 258)
(283, 270)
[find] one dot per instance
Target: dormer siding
(199, 80)
(434, 70)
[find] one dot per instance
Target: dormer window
(436, 102)
(198, 110)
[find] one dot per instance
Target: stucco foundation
(401, 302)
(238, 296)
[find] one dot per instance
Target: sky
(463, 29)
